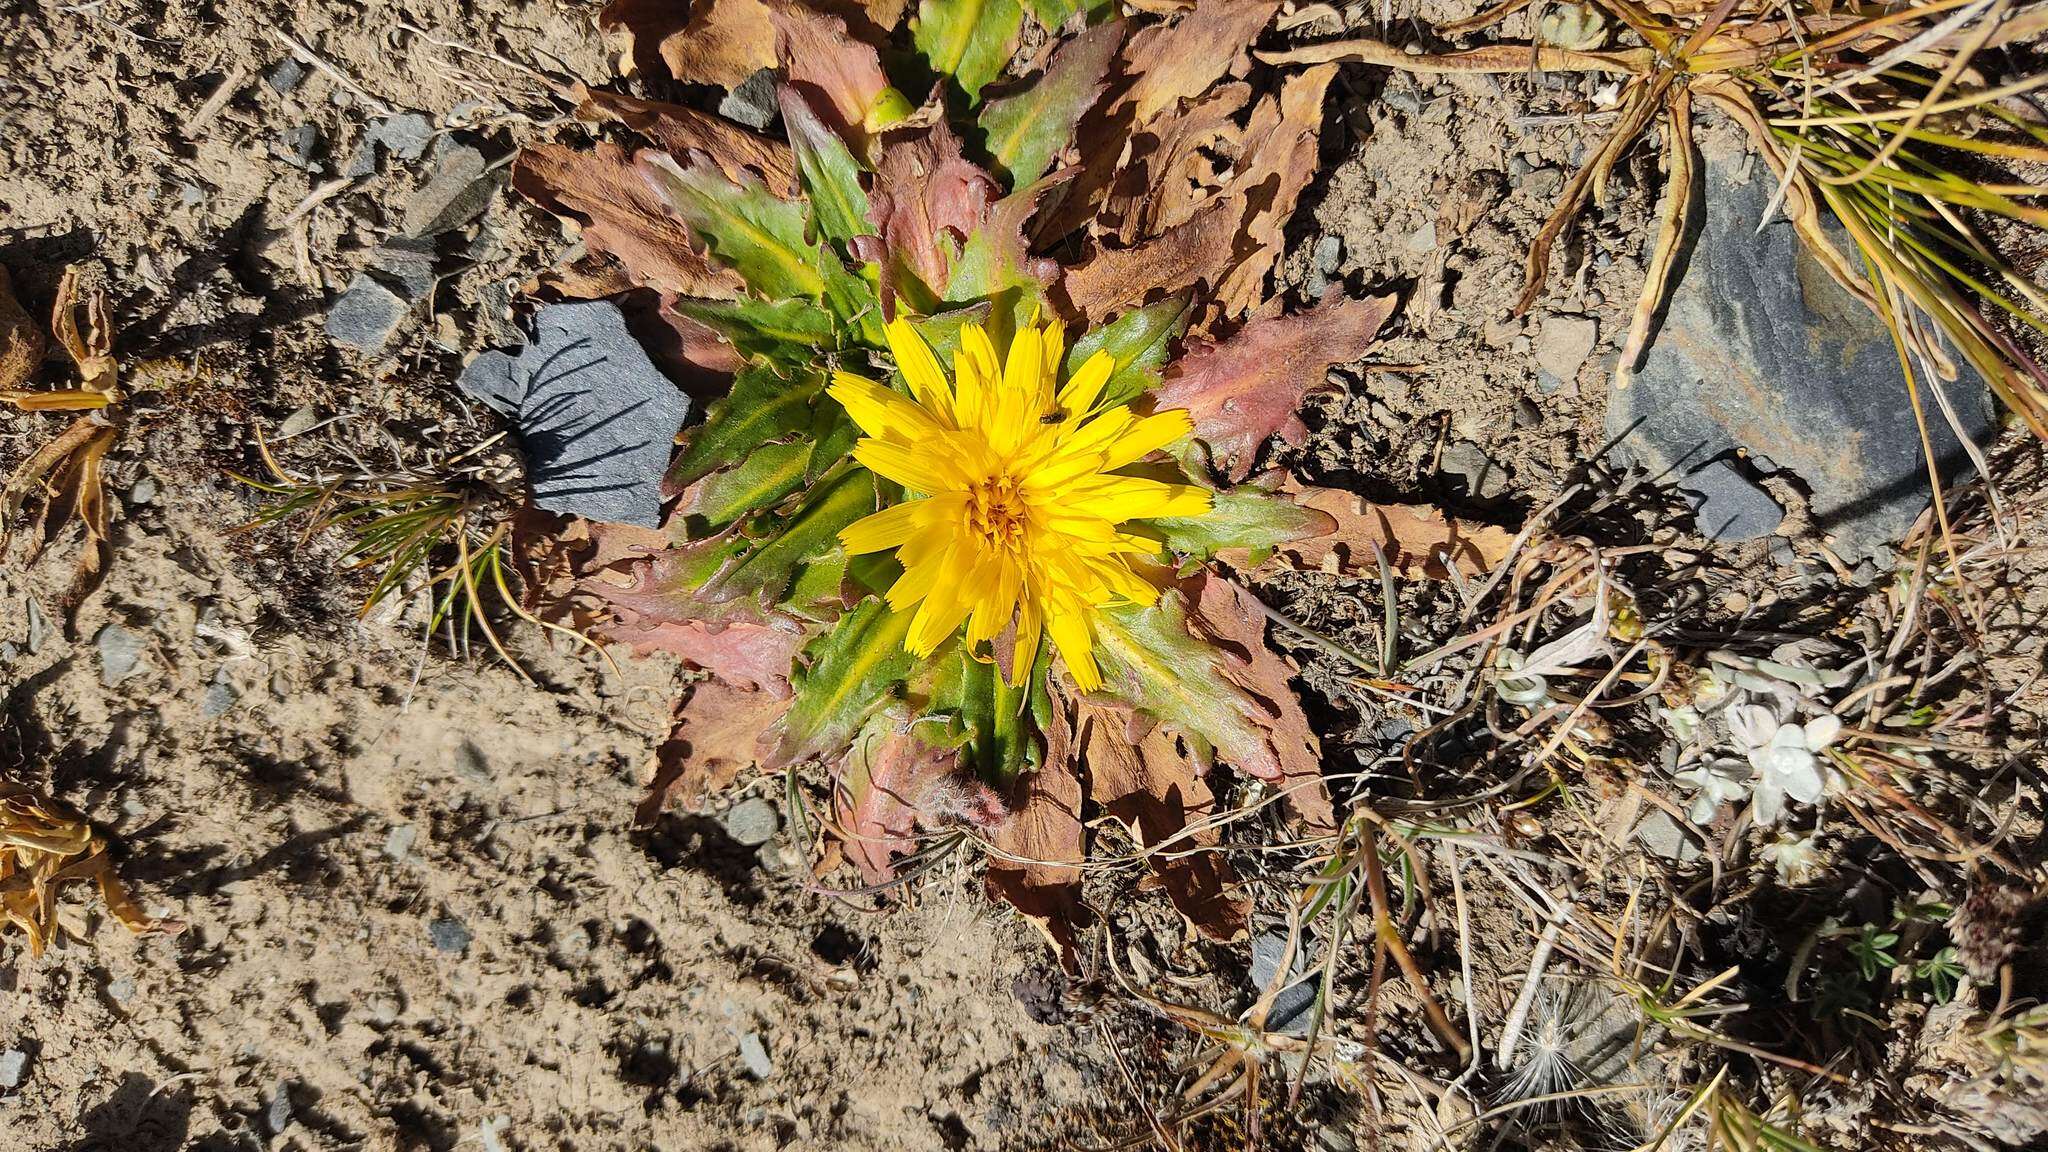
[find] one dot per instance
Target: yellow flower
(1015, 501)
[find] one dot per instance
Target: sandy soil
(418, 916)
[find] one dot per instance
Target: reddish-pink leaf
(892, 783)
(840, 77)
(1148, 780)
(679, 130)
(1041, 848)
(927, 200)
(1248, 388)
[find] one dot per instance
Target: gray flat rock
(752, 822)
(753, 103)
(405, 135)
(366, 315)
(595, 417)
(120, 653)
(1290, 1011)
(457, 192)
(1729, 505)
(1760, 349)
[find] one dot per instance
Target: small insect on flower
(1015, 507)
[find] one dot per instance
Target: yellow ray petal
(880, 410)
(915, 466)
(1146, 436)
(921, 369)
(1121, 498)
(1085, 386)
(1072, 636)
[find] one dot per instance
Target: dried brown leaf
(1418, 540)
(622, 216)
(1172, 169)
(1249, 387)
(1279, 160)
(718, 42)
(679, 130)
(1041, 849)
(1231, 617)
(1176, 61)
(757, 656)
(1152, 785)
(1198, 251)
(716, 736)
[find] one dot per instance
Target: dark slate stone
(1762, 350)
(457, 192)
(1729, 505)
(753, 103)
(406, 266)
(366, 316)
(286, 76)
(595, 417)
(1290, 1011)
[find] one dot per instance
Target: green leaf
(826, 169)
(750, 231)
(1151, 661)
(1052, 15)
(1022, 133)
(759, 482)
(763, 405)
(969, 40)
(1002, 741)
(847, 674)
(809, 533)
(1138, 341)
(942, 331)
(792, 331)
(834, 433)
(1242, 518)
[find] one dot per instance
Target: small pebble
(752, 821)
(121, 991)
(286, 76)
(38, 627)
(298, 422)
(399, 841)
(279, 1115)
(143, 492)
(13, 1068)
(448, 934)
(754, 1054)
(120, 652)
(219, 699)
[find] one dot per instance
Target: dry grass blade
(1671, 226)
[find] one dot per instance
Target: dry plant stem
(1389, 937)
(1671, 225)
(1518, 1016)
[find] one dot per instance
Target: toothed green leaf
(1152, 661)
(764, 405)
(969, 40)
(788, 331)
(827, 170)
(810, 532)
(846, 675)
(761, 481)
(750, 231)
(1022, 133)
(1243, 518)
(1137, 341)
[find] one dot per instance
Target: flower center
(996, 513)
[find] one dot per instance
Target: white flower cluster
(1771, 754)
